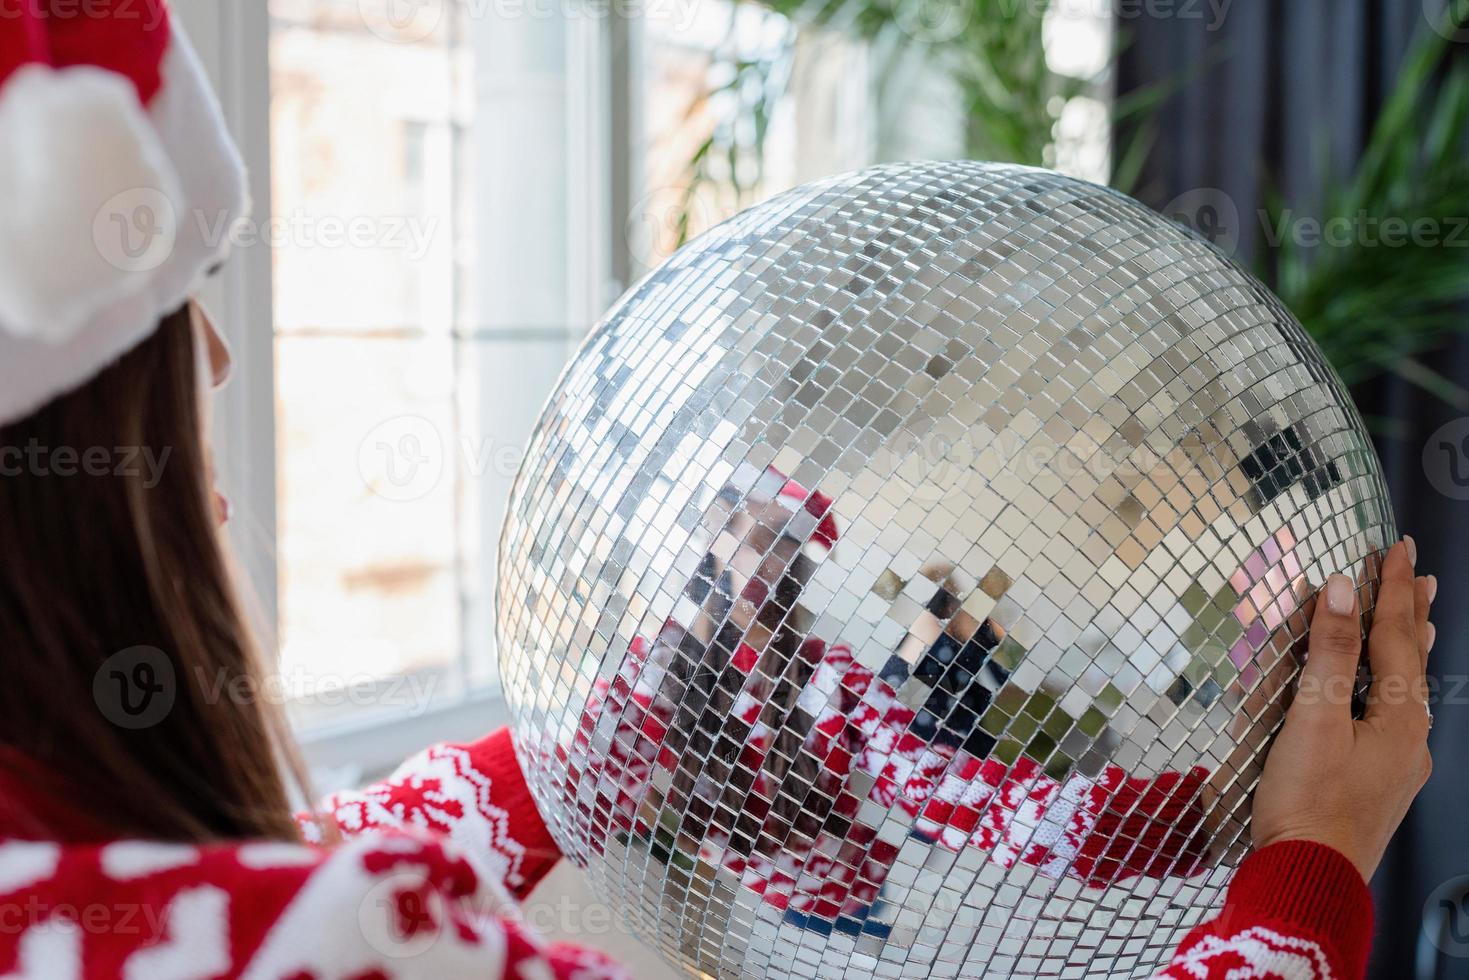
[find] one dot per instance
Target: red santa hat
(122, 188)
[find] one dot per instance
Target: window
(443, 202)
(697, 104)
(452, 192)
(378, 572)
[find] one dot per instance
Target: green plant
(992, 49)
(1397, 281)
(1373, 307)
(750, 87)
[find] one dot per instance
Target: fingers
(1335, 647)
(1430, 632)
(1396, 650)
(1424, 590)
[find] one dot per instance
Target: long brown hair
(111, 563)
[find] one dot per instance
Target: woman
(145, 819)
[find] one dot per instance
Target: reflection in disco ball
(905, 578)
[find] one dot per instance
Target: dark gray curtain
(1280, 90)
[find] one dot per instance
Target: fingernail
(1432, 588)
(1432, 636)
(1412, 549)
(1339, 595)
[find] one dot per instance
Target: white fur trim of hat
(122, 188)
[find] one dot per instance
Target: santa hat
(122, 188)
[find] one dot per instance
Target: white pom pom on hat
(122, 189)
(76, 146)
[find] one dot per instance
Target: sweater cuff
(1313, 889)
(494, 756)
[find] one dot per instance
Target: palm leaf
(1373, 303)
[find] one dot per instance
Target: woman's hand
(1334, 780)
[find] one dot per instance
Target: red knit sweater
(421, 885)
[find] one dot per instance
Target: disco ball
(906, 577)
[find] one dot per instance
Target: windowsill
(372, 744)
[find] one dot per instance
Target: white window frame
(232, 39)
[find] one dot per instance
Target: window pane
(442, 233)
(695, 105)
(366, 153)
(369, 531)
